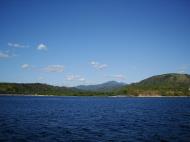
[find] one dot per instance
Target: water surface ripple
(94, 119)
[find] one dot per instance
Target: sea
(94, 119)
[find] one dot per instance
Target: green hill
(162, 85)
(42, 89)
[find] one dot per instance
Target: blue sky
(72, 42)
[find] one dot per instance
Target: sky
(74, 42)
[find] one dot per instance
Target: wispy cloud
(75, 78)
(40, 78)
(4, 55)
(25, 66)
(17, 45)
(181, 71)
(98, 65)
(81, 79)
(53, 68)
(42, 46)
(183, 68)
(49, 68)
(118, 77)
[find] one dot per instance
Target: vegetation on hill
(43, 89)
(161, 85)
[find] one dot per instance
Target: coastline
(116, 96)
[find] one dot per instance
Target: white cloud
(75, 78)
(16, 45)
(185, 66)
(72, 77)
(40, 78)
(81, 79)
(98, 66)
(181, 71)
(49, 68)
(4, 55)
(53, 68)
(25, 66)
(118, 77)
(42, 46)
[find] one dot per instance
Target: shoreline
(116, 96)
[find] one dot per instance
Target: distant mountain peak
(107, 86)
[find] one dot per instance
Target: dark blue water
(94, 119)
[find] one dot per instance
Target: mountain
(104, 87)
(171, 84)
(42, 89)
(161, 85)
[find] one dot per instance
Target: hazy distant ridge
(161, 85)
(105, 87)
